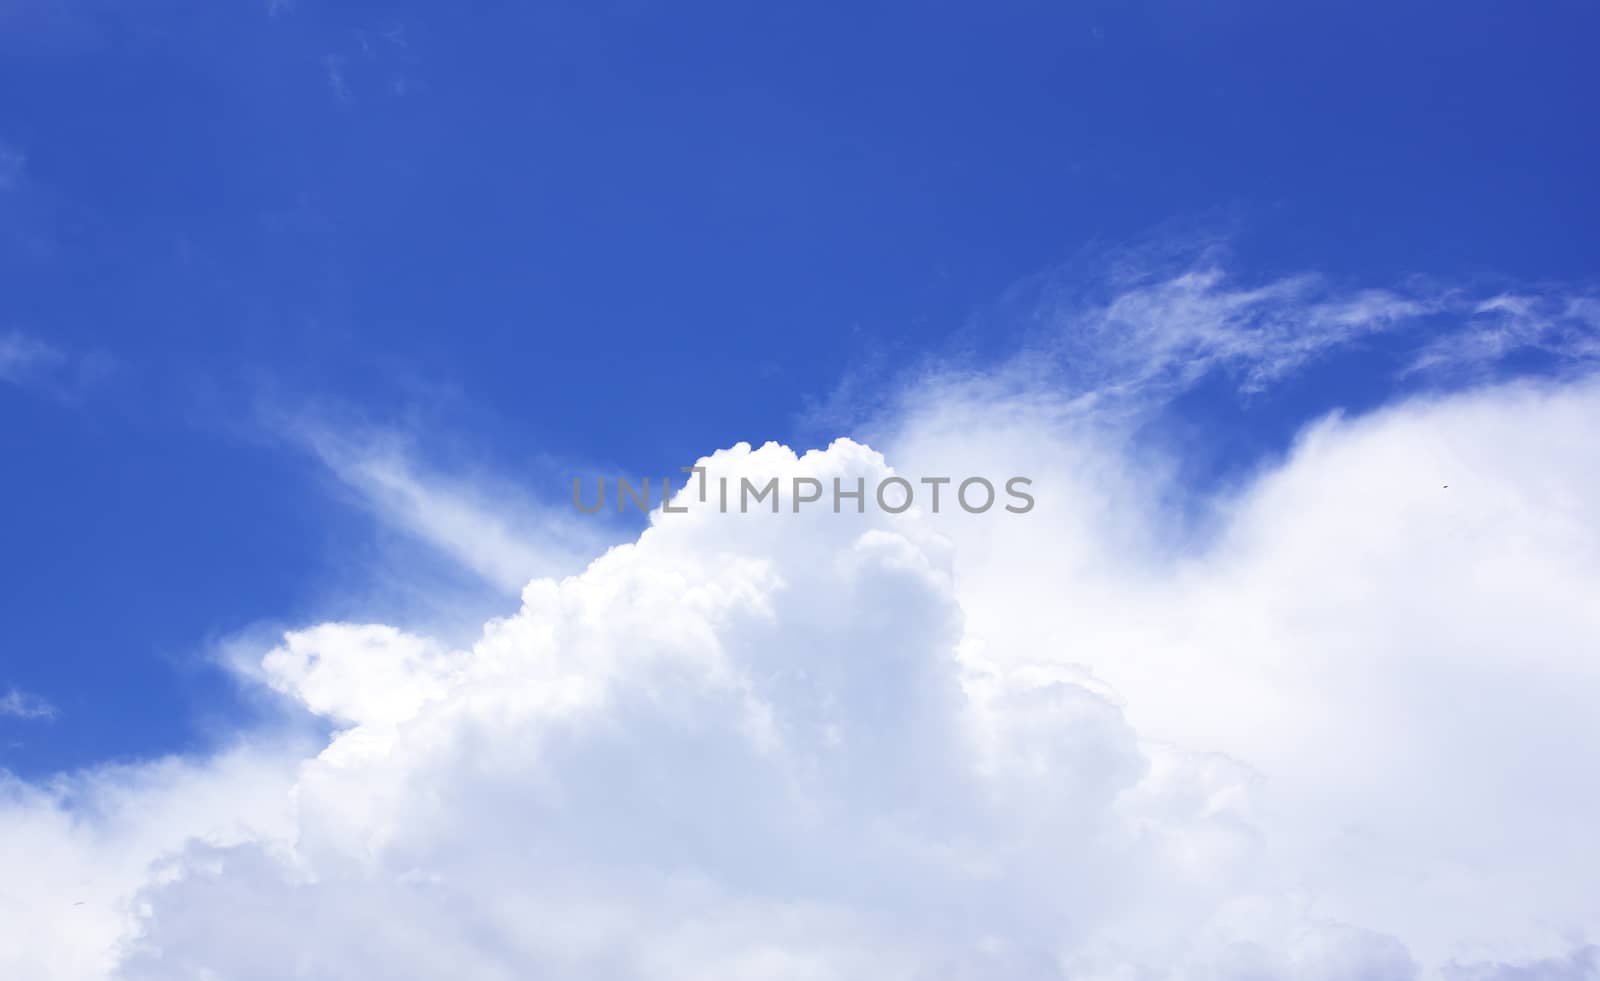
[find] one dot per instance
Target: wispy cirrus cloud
(24, 358)
(12, 162)
(18, 704)
(379, 62)
(39, 366)
(1167, 334)
(1132, 332)
(1145, 325)
(504, 535)
(1160, 329)
(1561, 326)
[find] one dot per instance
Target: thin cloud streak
(18, 704)
(503, 537)
(45, 369)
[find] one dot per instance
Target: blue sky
(627, 232)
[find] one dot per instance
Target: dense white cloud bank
(1343, 727)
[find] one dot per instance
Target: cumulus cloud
(76, 850)
(1341, 729)
(1399, 663)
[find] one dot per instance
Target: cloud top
(1339, 733)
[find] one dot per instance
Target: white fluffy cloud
(1405, 669)
(75, 853)
(1337, 724)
